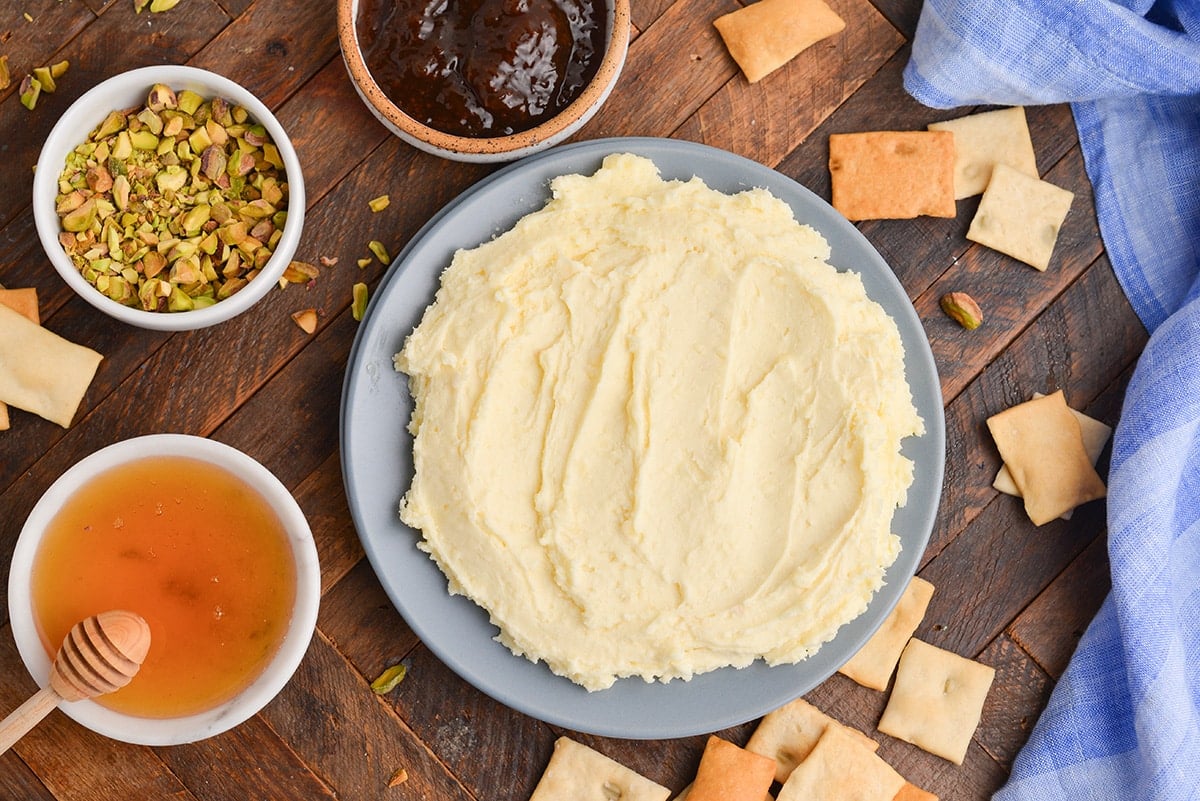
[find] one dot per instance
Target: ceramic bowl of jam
(207, 546)
(483, 80)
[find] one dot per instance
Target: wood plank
(457, 721)
(352, 740)
(764, 121)
(324, 503)
(682, 57)
(18, 781)
(73, 763)
(1058, 350)
(1018, 694)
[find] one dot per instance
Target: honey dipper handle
(26, 716)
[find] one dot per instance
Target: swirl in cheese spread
(655, 432)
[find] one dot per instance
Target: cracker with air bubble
(730, 773)
(789, 734)
(764, 36)
(841, 768)
(1041, 443)
(578, 773)
(981, 141)
(937, 700)
(895, 175)
(872, 666)
(40, 371)
(1095, 436)
(1020, 216)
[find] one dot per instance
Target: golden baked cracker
(764, 36)
(1095, 435)
(578, 773)
(910, 792)
(981, 141)
(40, 371)
(841, 768)
(730, 773)
(892, 174)
(25, 302)
(788, 734)
(873, 664)
(1041, 443)
(1020, 216)
(937, 700)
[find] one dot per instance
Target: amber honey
(195, 551)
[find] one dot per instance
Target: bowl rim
(189, 728)
(558, 126)
(84, 114)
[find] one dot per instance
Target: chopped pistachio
(5, 75)
(399, 777)
(306, 319)
(189, 102)
(31, 89)
(45, 79)
(162, 5)
(378, 204)
(300, 272)
(362, 263)
(377, 247)
(59, 69)
(390, 678)
(329, 261)
(358, 306)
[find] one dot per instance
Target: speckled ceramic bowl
(486, 149)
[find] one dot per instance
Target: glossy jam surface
(482, 67)
(195, 551)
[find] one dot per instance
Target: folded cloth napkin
(1124, 719)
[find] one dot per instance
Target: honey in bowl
(195, 551)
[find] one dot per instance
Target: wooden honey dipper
(99, 655)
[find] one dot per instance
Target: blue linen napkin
(1124, 719)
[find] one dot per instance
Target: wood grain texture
(1008, 594)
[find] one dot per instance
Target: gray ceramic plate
(377, 458)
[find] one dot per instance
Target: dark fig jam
(482, 67)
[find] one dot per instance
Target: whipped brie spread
(655, 432)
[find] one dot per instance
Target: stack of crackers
(936, 703)
(40, 371)
(906, 174)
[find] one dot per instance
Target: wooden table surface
(1009, 594)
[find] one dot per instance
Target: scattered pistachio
(162, 5)
(379, 250)
(300, 272)
(379, 204)
(395, 674)
(59, 68)
(329, 261)
(306, 319)
(45, 78)
(398, 778)
(362, 263)
(31, 89)
(963, 309)
(5, 75)
(358, 307)
(156, 223)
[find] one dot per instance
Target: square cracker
(894, 175)
(578, 773)
(981, 141)
(40, 371)
(841, 768)
(874, 663)
(1020, 216)
(764, 36)
(24, 301)
(937, 700)
(789, 734)
(1095, 435)
(730, 773)
(1041, 443)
